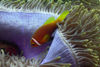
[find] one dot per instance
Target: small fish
(43, 33)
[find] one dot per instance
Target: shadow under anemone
(10, 48)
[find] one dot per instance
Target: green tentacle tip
(86, 40)
(67, 65)
(90, 49)
(59, 57)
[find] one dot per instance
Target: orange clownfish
(43, 33)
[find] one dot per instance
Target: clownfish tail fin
(63, 15)
(49, 20)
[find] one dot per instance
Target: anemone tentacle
(45, 6)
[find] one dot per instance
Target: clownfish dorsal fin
(63, 15)
(49, 20)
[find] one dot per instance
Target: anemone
(81, 31)
(19, 21)
(36, 6)
(76, 40)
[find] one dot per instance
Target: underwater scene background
(49, 33)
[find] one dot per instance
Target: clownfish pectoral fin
(63, 15)
(49, 20)
(45, 38)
